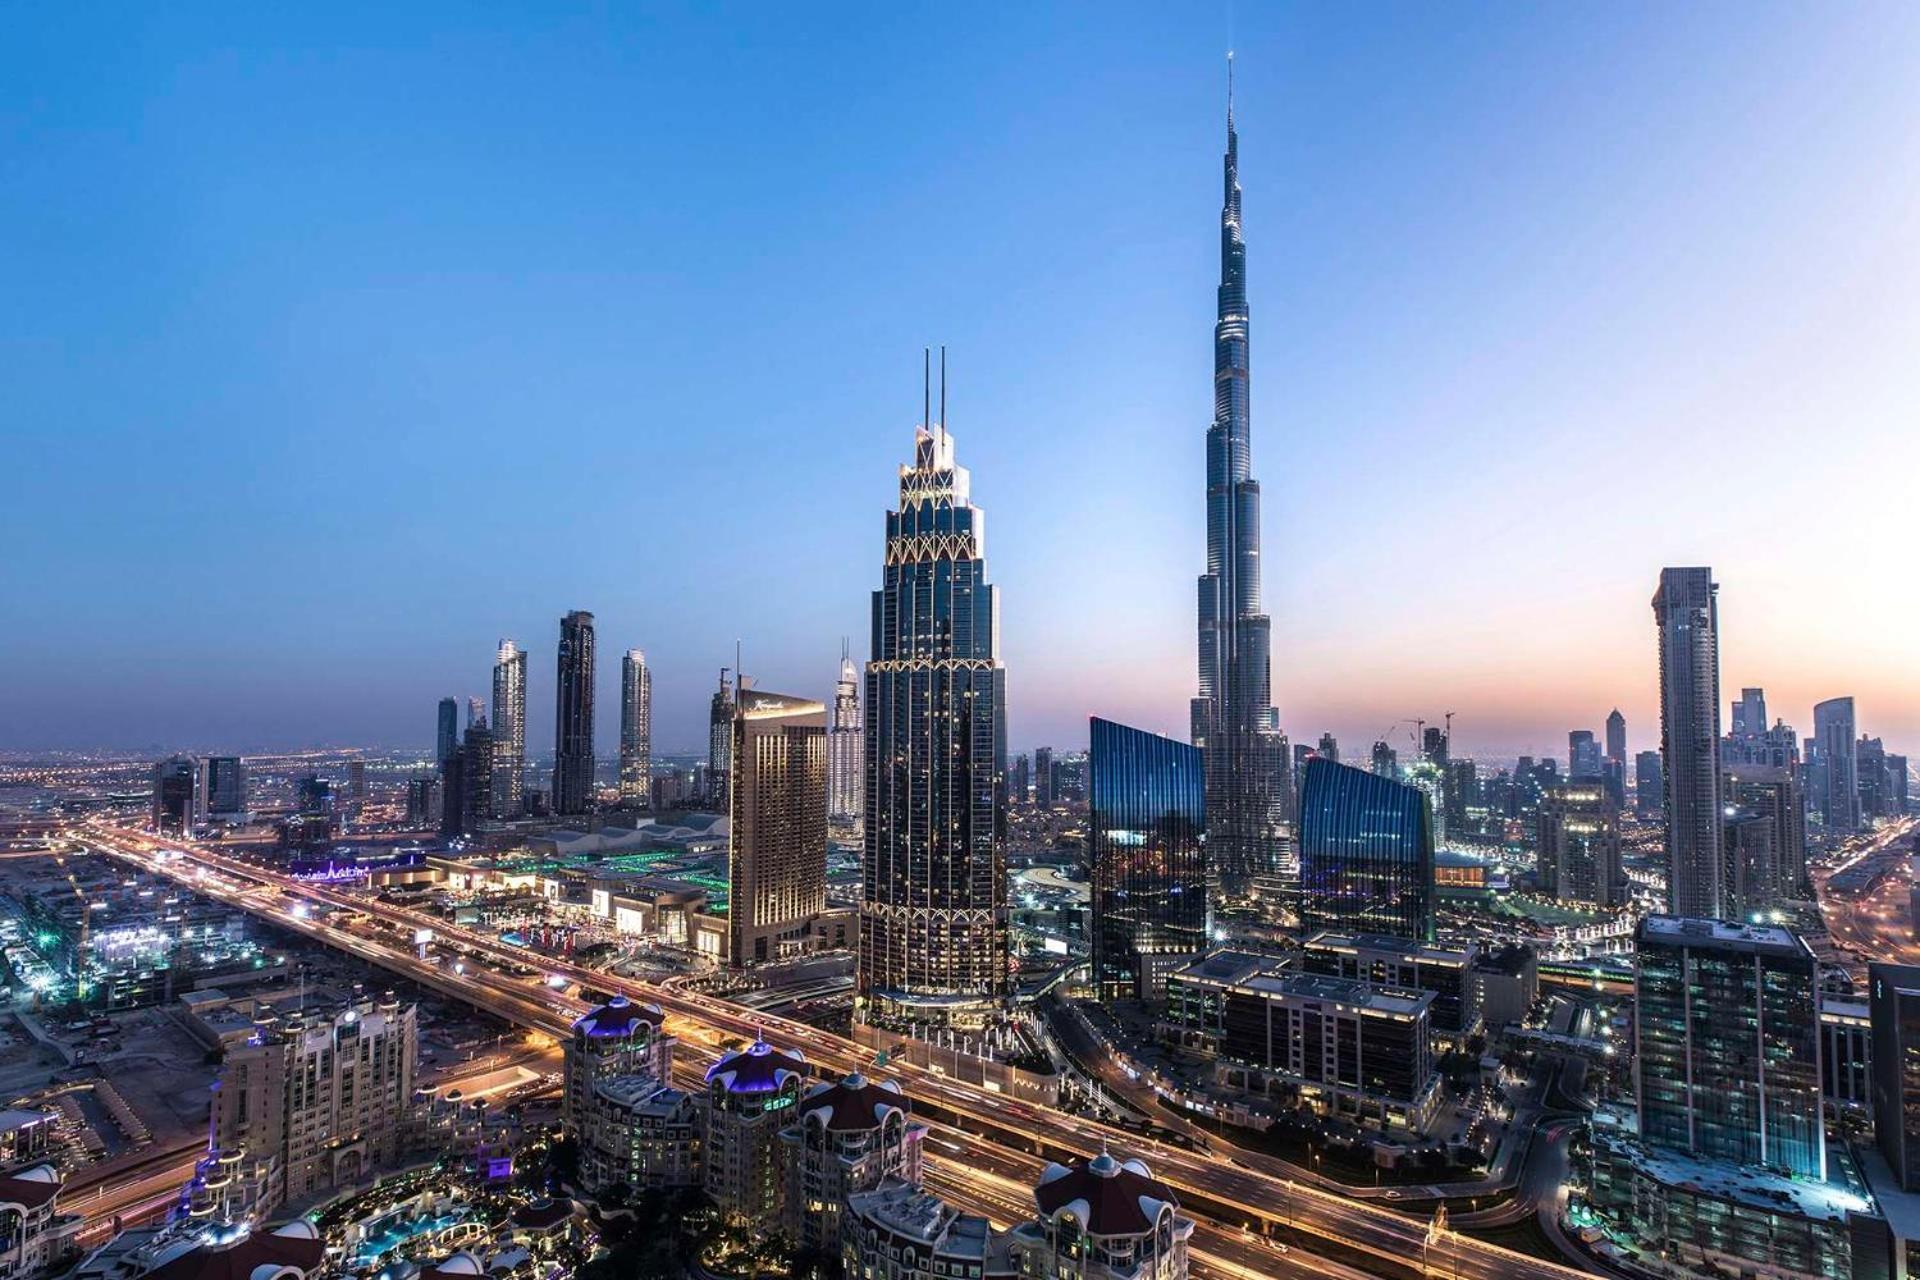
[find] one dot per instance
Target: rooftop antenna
(943, 390)
(926, 387)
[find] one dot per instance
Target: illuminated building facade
(720, 744)
(934, 915)
(633, 1127)
(1233, 719)
(509, 729)
(636, 729)
(1366, 853)
(573, 717)
(1101, 1218)
(1146, 836)
(447, 732)
(1687, 615)
(850, 1135)
(846, 748)
(1836, 763)
(1577, 840)
(751, 1096)
(1727, 1035)
(315, 1101)
(223, 789)
(777, 856)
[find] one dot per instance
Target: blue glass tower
(1366, 853)
(933, 919)
(1233, 716)
(1146, 831)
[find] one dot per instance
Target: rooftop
(1108, 1197)
(1723, 935)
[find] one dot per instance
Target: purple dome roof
(621, 1017)
(758, 1068)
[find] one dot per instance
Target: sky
(338, 343)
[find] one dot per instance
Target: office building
(1766, 813)
(636, 730)
(632, 1126)
(454, 810)
(720, 744)
(314, 1101)
(1616, 737)
(751, 1093)
(423, 802)
(1893, 999)
(1870, 761)
(1044, 777)
(447, 737)
(933, 914)
(1146, 846)
(1649, 784)
(1577, 839)
(1846, 1051)
(476, 777)
(1101, 1218)
(1726, 1024)
(222, 790)
(1446, 970)
(1835, 746)
(509, 730)
(356, 787)
(573, 717)
(1686, 614)
(173, 807)
(1333, 1046)
(1583, 755)
(1020, 781)
(847, 749)
(1329, 748)
(1366, 853)
(777, 857)
(1233, 718)
(848, 1136)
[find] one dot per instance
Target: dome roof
(1108, 1197)
(621, 1017)
(758, 1068)
(853, 1104)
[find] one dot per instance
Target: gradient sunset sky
(338, 344)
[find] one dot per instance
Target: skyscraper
(1893, 992)
(1836, 744)
(1578, 840)
(1583, 754)
(1147, 818)
(1727, 1028)
(1366, 853)
(447, 738)
(1616, 736)
(1649, 783)
(846, 747)
(476, 777)
(223, 788)
(1686, 613)
(1433, 745)
(933, 918)
(1044, 777)
(1233, 719)
(777, 857)
(1386, 761)
(1329, 747)
(573, 717)
(720, 744)
(636, 729)
(1750, 713)
(509, 728)
(173, 806)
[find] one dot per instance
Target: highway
(1224, 1198)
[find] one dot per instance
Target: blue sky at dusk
(339, 343)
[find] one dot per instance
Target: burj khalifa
(1234, 721)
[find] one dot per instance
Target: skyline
(1473, 630)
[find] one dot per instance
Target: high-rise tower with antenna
(1234, 721)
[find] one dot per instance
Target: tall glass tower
(1147, 813)
(636, 728)
(509, 728)
(1686, 613)
(1233, 717)
(1366, 853)
(846, 758)
(933, 920)
(573, 717)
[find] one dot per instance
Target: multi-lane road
(1249, 1222)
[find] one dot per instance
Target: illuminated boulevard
(984, 1152)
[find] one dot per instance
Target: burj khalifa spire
(1233, 717)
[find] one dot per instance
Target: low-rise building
(849, 1137)
(895, 1231)
(1445, 969)
(1331, 1046)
